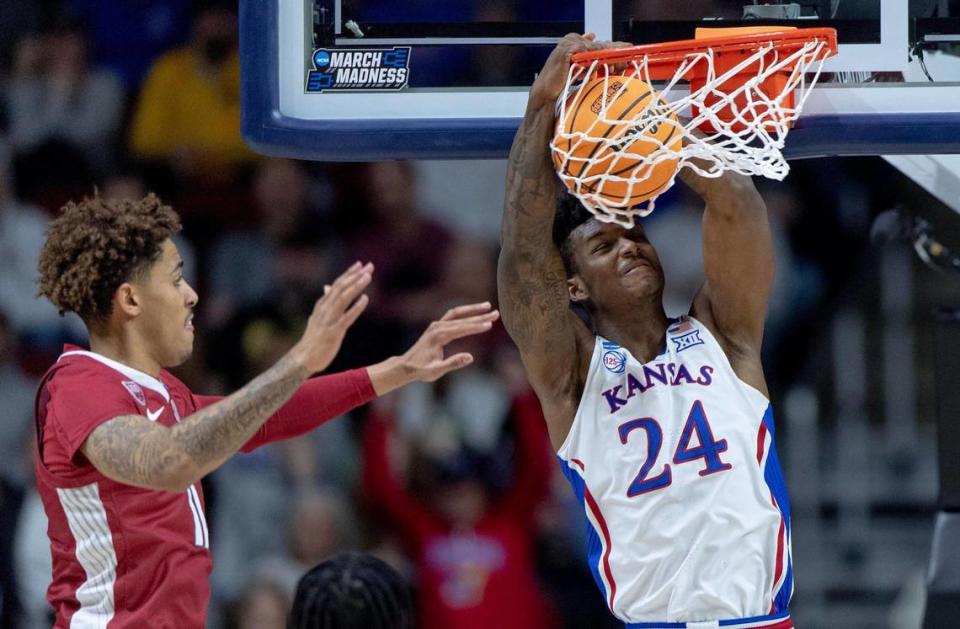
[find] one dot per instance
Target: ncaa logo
(614, 361)
(321, 59)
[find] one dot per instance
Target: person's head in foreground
(114, 263)
(607, 265)
(352, 590)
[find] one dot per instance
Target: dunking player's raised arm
(739, 267)
(532, 285)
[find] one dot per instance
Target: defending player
(123, 444)
(663, 427)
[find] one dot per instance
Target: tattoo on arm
(219, 430)
(532, 283)
(136, 451)
(133, 450)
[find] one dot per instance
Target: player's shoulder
(75, 367)
(94, 376)
(77, 385)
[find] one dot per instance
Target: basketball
(605, 142)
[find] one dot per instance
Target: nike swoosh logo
(153, 415)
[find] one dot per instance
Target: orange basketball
(623, 120)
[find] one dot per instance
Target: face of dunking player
(613, 263)
(166, 303)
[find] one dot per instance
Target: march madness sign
(359, 69)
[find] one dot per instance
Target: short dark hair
(200, 8)
(569, 215)
(96, 245)
(352, 590)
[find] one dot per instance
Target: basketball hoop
(746, 89)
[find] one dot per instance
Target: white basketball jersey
(673, 461)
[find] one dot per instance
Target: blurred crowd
(452, 482)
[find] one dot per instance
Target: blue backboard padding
(875, 134)
(269, 132)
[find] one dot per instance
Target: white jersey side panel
(674, 464)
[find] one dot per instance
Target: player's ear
(127, 300)
(577, 290)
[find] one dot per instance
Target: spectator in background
(498, 65)
(470, 269)
(281, 258)
(22, 228)
(32, 560)
(54, 93)
(377, 212)
(188, 114)
(124, 183)
(50, 174)
(352, 591)
(16, 410)
(321, 523)
(263, 605)
(18, 19)
(473, 550)
(274, 488)
(407, 249)
(255, 490)
(478, 399)
(127, 36)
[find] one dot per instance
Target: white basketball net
(747, 137)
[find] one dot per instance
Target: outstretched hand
(425, 359)
(333, 314)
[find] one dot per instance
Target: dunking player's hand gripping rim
(619, 142)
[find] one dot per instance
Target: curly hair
(96, 245)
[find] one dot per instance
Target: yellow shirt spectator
(190, 111)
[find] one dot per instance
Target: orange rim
(673, 52)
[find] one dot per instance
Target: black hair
(465, 464)
(352, 590)
(569, 215)
(65, 23)
(200, 8)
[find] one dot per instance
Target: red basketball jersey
(122, 556)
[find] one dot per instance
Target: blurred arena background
(124, 98)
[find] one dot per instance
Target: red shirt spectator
(472, 575)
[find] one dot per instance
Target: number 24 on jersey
(709, 450)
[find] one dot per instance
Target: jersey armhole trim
(562, 450)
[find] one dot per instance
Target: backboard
(379, 79)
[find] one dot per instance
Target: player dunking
(122, 444)
(662, 426)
